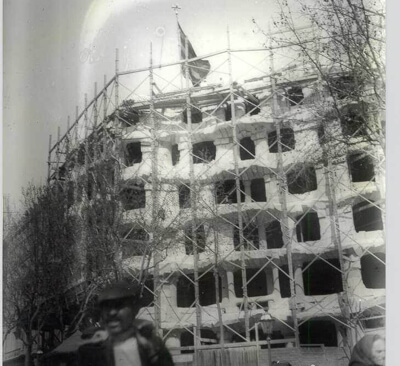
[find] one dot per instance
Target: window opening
(200, 240)
(302, 180)
(318, 332)
(133, 197)
(204, 152)
(251, 239)
(361, 167)
(256, 287)
(247, 149)
(343, 87)
(287, 140)
(207, 289)
(295, 95)
(353, 122)
(320, 278)
(308, 229)
(185, 291)
(226, 192)
(257, 188)
(274, 235)
(284, 282)
(184, 196)
(367, 217)
(175, 154)
(133, 153)
(373, 270)
(187, 340)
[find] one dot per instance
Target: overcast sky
(54, 51)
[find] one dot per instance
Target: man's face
(118, 315)
(378, 352)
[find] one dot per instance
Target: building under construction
(239, 198)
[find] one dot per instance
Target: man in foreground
(127, 341)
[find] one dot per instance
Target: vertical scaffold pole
(49, 162)
(105, 101)
(117, 142)
(238, 195)
(116, 84)
(193, 209)
(85, 234)
(77, 125)
(335, 228)
(154, 237)
(58, 156)
(68, 137)
(95, 118)
(287, 240)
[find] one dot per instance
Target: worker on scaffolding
(126, 341)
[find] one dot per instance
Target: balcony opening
(208, 337)
(284, 282)
(321, 278)
(200, 240)
(353, 122)
(175, 154)
(318, 332)
(257, 188)
(184, 196)
(207, 294)
(273, 232)
(301, 180)
(187, 340)
(367, 217)
(373, 270)
(287, 140)
(251, 239)
(133, 197)
(196, 115)
(204, 152)
(185, 291)
(361, 167)
(308, 228)
(256, 287)
(133, 153)
(247, 149)
(226, 192)
(252, 105)
(295, 95)
(134, 242)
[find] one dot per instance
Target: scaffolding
(241, 197)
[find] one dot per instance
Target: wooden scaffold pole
(238, 195)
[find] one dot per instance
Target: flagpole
(176, 9)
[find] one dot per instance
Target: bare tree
(38, 258)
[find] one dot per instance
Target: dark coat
(100, 353)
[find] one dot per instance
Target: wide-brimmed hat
(119, 290)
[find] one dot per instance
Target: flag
(199, 69)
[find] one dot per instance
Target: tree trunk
(28, 354)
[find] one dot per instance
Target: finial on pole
(176, 8)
